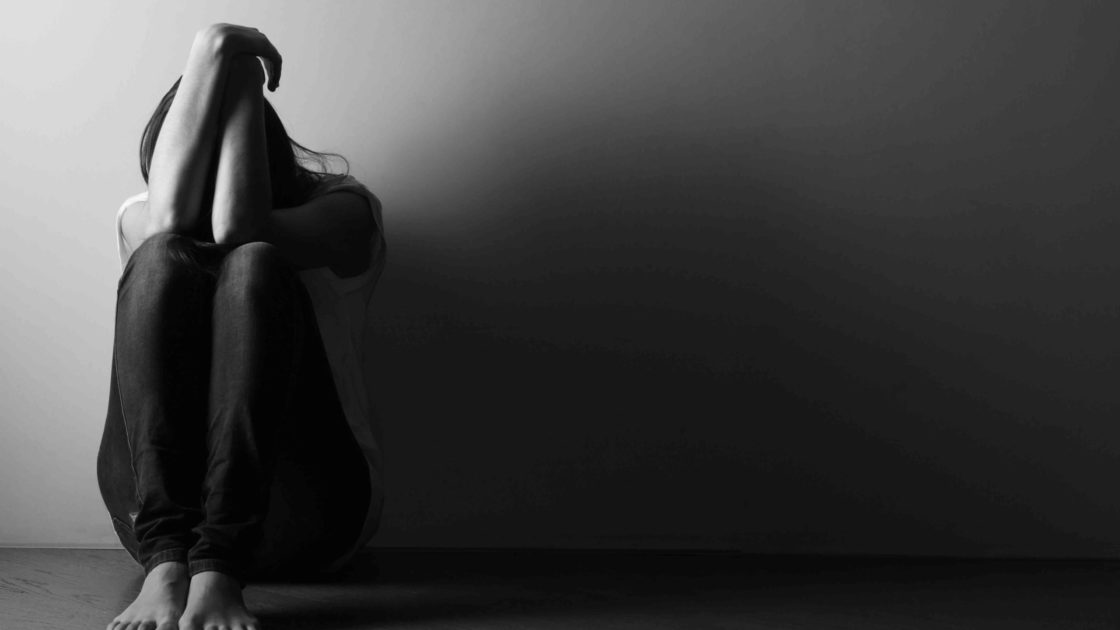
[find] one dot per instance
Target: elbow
(168, 215)
(236, 234)
(167, 222)
(229, 236)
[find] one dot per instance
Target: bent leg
(287, 487)
(320, 493)
(260, 313)
(161, 366)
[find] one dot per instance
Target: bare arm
(181, 160)
(332, 230)
(243, 189)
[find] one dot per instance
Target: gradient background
(781, 276)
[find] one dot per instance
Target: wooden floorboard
(64, 589)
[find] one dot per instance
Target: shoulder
(349, 183)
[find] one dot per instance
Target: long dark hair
(292, 182)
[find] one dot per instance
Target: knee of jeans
(254, 267)
(162, 255)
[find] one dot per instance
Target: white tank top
(341, 309)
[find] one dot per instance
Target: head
(292, 182)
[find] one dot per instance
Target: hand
(230, 40)
(245, 69)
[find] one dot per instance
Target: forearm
(184, 152)
(243, 188)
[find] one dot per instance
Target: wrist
(212, 43)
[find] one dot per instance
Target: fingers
(250, 40)
(271, 57)
(274, 66)
(273, 62)
(270, 69)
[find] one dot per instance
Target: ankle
(216, 570)
(170, 569)
(214, 579)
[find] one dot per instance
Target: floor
(64, 589)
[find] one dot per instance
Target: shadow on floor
(550, 589)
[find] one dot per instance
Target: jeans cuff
(219, 565)
(175, 554)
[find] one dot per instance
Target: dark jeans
(225, 446)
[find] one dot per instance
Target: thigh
(320, 489)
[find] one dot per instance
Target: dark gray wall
(781, 276)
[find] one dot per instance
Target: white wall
(783, 276)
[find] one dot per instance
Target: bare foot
(215, 601)
(160, 601)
